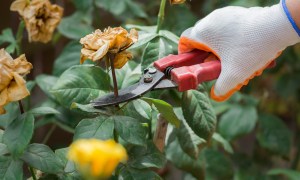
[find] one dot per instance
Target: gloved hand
(246, 40)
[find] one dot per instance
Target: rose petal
(121, 59)
(17, 89)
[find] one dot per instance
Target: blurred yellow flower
(177, 1)
(40, 16)
(96, 158)
(111, 40)
(12, 84)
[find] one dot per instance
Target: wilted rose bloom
(177, 1)
(96, 159)
(12, 84)
(40, 16)
(111, 40)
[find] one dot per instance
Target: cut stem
(113, 73)
(161, 15)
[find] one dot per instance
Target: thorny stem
(111, 59)
(161, 15)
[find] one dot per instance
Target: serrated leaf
(199, 113)
(129, 74)
(274, 135)
(165, 109)
(169, 35)
(130, 129)
(89, 109)
(12, 112)
(76, 25)
(46, 83)
(144, 38)
(135, 174)
(43, 111)
(226, 145)
(80, 84)
(69, 166)
(217, 165)
(7, 37)
(156, 49)
(100, 128)
(10, 169)
(19, 133)
(43, 158)
(175, 154)
(290, 174)
(143, 157)
(149, 29)
(69, 57)
(238, 121)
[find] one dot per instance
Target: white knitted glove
(246, 40)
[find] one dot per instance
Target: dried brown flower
(40, 16)
(177, 1)
(12, 84)
(111, 40)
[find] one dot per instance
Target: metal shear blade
(151, 80)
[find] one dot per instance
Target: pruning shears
(184, 72)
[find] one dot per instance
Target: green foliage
(8, 37)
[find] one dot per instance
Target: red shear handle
(189, 77)
(186, 59)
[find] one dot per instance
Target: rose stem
(111, 59)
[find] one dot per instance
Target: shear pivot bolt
(148, 78)
(152, 70)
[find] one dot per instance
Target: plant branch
(32, 172)
(19, 37)
(161, 15)
(49, 133)
(111, 59)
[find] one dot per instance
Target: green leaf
(217, 165)
(137, 133)
(69, 57)
(43, 158)
(274, 135)
(144, 38)
(12, 112)
(238, 121)
(69, 166)
(129, 74)
(77, 25)
(8, 37)
(135, 174)
(142, 157)
(226, 145)
(46, 83)
(100, 128)
(90, 110)
(10, 169)
(175, 154)
(19, 133)
(190, 143)
(3, 149)
(80, 84)
(122, 9)
(149, 29)
(30, 85)
(169, 35)
(165, 109)
(43, 111)
(156, 49)
(84, 6)
(199, 113)
(290, 174)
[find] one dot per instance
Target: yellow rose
(12, 84)
(177, 1)
(111, 40)
(96, 158)
(40, 16)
